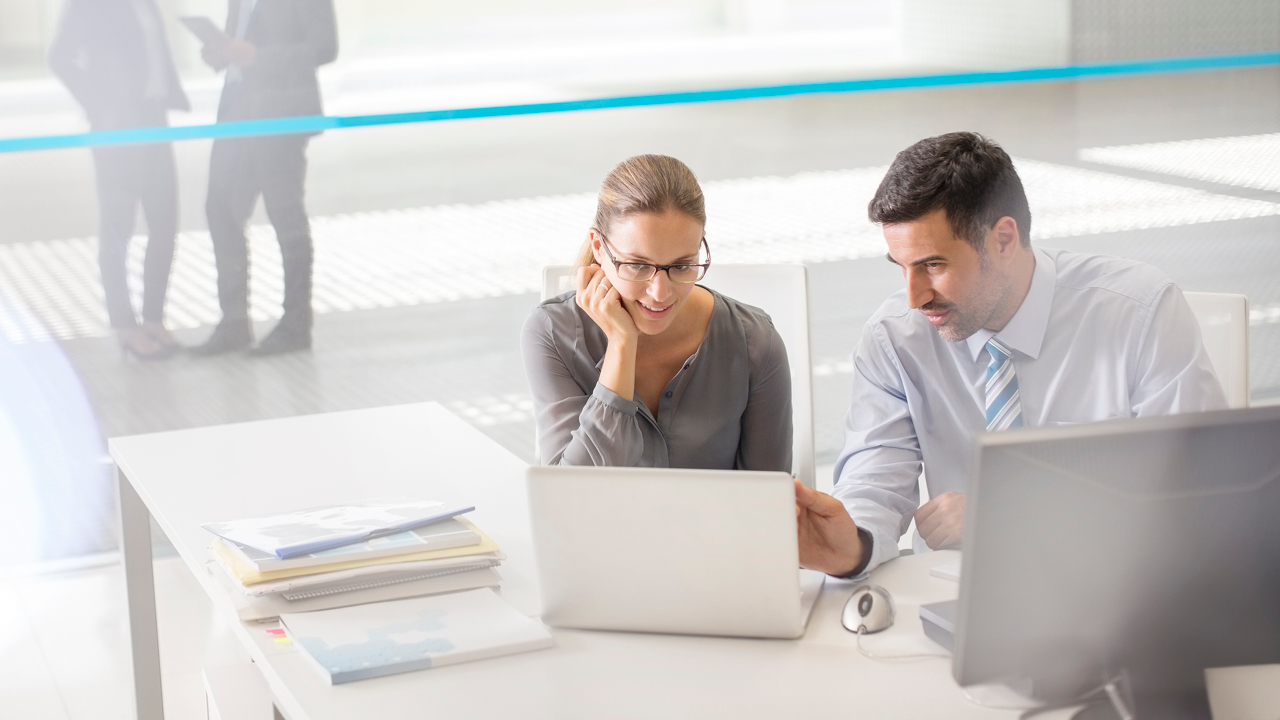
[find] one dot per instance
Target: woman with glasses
(641, 366)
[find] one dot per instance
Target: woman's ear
(594, 238)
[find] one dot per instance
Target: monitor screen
(1145, 547)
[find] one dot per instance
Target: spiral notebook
(266, 607)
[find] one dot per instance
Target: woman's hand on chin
(600, 299)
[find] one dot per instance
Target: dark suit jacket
(292, 38)
(100, 55)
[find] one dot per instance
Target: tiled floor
(1251, 161)
(419, 256)
(64, 644)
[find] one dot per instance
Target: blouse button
(668, 393)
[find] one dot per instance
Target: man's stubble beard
(959, 329)
(965, 322)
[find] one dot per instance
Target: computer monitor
(1148, 548)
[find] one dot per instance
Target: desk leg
(135, 551)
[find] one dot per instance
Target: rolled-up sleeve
(766, 441)
(575, 427)
(877, 474)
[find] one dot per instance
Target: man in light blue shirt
(989, 334)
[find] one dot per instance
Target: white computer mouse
(870, 609)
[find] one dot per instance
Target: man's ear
(1004, 239)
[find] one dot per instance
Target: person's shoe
(286, 337)
(227, 337)
(162, 336)
(135, 342)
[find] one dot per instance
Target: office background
(429, 236)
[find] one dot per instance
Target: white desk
(187, 477)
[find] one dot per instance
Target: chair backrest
(780, 290)
(556, 280)
(1224, 325)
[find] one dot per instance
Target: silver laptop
(699, 552)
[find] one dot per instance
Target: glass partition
(427, 237)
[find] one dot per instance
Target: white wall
(376, 27)
(986, 34)
(25, 27)
(1109, 30)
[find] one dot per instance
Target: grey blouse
(728, 408)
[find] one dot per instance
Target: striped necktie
(1004, 407)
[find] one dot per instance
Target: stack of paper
(289, 563)
(354, 643)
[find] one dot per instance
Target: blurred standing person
(270, 54)
(114, 58)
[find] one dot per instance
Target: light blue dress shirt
(1096, 338)
(244, 16)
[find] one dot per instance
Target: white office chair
(783, 292)
(556, 280)
(1224, 325)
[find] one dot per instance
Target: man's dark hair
(969, 176)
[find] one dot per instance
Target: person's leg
(282, 165)
(117, 205)
(117, 174)
(233, 191)
(159, 192)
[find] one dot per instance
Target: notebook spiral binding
(321, 592)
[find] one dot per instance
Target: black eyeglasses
(644, 272)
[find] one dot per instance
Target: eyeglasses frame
(604, 243)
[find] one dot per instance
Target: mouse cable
(1110, 688)
(910, 656)
(1028, 712)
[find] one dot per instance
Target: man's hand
(829, 540)
(215, 56)
(241, 53)
(940, 521)
(233, 52)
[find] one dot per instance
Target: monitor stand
(1149, 708)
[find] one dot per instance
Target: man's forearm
(866, 545)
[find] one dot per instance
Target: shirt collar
(1025, 331)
